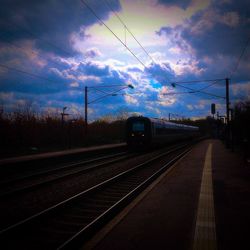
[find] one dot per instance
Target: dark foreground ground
(165, 216)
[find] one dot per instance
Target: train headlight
(132, 135)
(142, 135)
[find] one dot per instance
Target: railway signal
(213, 109)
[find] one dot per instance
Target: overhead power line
(126, 28)
(27, 73)
(193, 91)
(199, 81)
(178, 93)
(94, 13)
(208, 86)
(107, 94)
(32, 51)
(124, 44)
(240, 57)
(39, 38)
(198, 91)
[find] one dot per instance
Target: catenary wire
(94, 13)
(126, 28)
(39, 38)
(27, 73)
(191, 89)
(33, 52)
(240, 57)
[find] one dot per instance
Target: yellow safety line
(205, 230)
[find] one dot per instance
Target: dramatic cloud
(182, 3)
(49, 23)
(50, 50)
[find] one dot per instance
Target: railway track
(71, 222)
(39, 178)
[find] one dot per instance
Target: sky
(51, 50)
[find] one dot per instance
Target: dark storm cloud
(91, 68)
(220, 39)
(115, 78)
(160, 72)
(49, 20)
(52, 82)
(181, 3)
(218, 33)
(57, 80)
(106, 73)
(53, 22)
(241, 7)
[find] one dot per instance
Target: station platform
(60, 153)
(202, 202)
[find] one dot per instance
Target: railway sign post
(213, 109)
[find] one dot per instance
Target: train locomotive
(144, 131)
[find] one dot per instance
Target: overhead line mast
(125, 45)
(192, 90)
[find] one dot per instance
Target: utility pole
(227, 99)
(86, 109)
(227, 113)
(86, 103)
(231, 131)
(64, 138)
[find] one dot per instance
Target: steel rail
(57, 168)
(77, 239)
(24, 224)
(73, 172)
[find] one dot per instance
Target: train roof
(163, 123)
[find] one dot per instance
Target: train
(143, 131)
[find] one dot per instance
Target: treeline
(22, 133)
(25, 132)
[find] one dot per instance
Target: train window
(163, 131)
(138, 126)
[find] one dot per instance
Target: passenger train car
(146, 131)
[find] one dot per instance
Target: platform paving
(203, 202)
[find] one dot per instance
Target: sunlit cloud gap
(127, 29)
(179, 36)
(94, 13)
